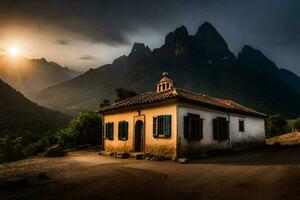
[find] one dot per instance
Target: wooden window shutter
(215, 129)
(125, 130)
(227, 130)
(106, 130)
(201, 128)
(120, 131)
(155, 127)
(186, 127)
(112, 130)
(167, 125)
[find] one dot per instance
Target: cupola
(165, 83)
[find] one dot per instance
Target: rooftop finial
(165, 83)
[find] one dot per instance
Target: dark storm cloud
(98, 21)
(87, 57)
(273, 26)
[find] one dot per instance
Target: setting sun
(13, 52)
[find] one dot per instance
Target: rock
(41, 176)
(122, 155)
(139, 156)
(174, 159)
(182, 160)
(16, 182)
(161, 158)
(55, 151)
(106, 153)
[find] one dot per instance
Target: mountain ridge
(21, 117)
(33, 75)
(200, 63)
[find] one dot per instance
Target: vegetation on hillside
(297, 124)
(276, 125)
(86, 128)
(19, 117)
(121, 94)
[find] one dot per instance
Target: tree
(10, 149)
(124, 94)
(297, 124)
(105, 102)
(86, 128)
(275, 125)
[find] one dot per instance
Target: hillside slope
(201, 63)
(21, 117)
(32, 75)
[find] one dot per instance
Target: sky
(83, 34)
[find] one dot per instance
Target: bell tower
(165, 83)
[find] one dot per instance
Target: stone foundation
(167, 151)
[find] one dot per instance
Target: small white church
(174, 122)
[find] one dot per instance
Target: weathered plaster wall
(158, 146)
(254, 130)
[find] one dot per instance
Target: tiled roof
(183, 95)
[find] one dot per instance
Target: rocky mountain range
(30, 76)
(201, 63)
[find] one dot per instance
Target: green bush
(276, 125)
(10, 149)
(297, 124)
(66, 138)
(33, 149)
(86, 128)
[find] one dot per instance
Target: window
(241, 126)
(163, 86)
(168, 85)
(220, 129)
(109, 130)
(162, 126)
(123, 130)
(193, 127)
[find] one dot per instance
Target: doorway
(138, 136)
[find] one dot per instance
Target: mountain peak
(247, 49)
(179, 34)
(138, 52)
(255, 57)
(210, 37)
(181, 31)
(140, 48)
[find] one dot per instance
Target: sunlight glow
(13, 52)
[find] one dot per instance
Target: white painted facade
(254, 131)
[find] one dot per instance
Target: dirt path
(86, 175)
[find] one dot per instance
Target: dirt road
(86, 175)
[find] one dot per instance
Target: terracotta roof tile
(183, 95)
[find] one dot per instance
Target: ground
(285, 139)
(264, 174)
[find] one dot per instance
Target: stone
(161, 158)
(55, 151)
(182, 160)
(106, 153)
(41, 176)
(139, 156)
(122, 155)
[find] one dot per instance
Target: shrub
(297, 124)
(34, 149)
(10, 149)
(276, 125)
